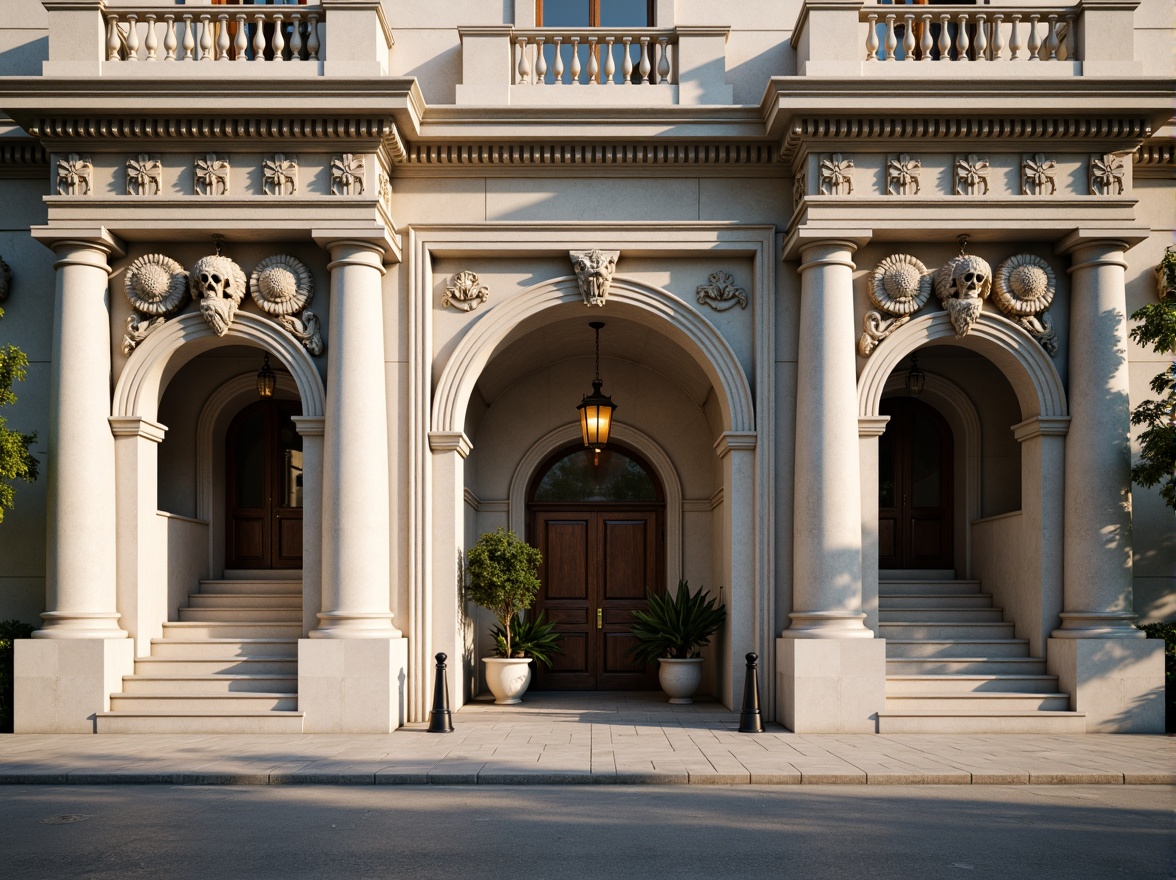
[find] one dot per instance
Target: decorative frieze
(210, 176)
(899, 286)
(1024, 287)
(144, 175)
(836, 175)
(279, 175)
(971, 175)
(1038, 175)
(902, 175)
(720, 293)
(75, 176)
(1107, 171)
(465, 292)
(594, 271)
(218, 285)
(347, 175)
(962, 285)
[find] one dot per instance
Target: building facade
(864, 274)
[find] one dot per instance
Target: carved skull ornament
(219, 285)
(962, 285)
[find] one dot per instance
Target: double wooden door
(263, 492)
(915, 493)
(598, 563)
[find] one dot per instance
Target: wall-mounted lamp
(266, 379)
(915, 377)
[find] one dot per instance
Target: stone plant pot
(507, 678)
(680, 678)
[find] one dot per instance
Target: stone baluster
(872, 38)
(240, 40)
(312, 38)
(558, 71)
(646, 66)
(279, 42)
(575, 67)
(1051, 41)
(113, 42)
(132, 37)
(222, 37)
(962, 40)
(908, 38)
(151, 43)
(169, 39)
(259, 38)
(926, 44)
(1034, 40)
(1015, 39)
(664, 67)
(296, 37)
(189, 41)
(891, 41)
(981, 41)
(593, 62)
(523, 69)
(1066, 53)
(998, 43)
(540, 63)
(206, 27)
(944, 37)
(627, 62)
(610, 65)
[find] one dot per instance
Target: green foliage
(16, 462)
(503, 573)
(1167, 632)
(535, 638)
(9, 630)
(1156, 328)
(675, 626)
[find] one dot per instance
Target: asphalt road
(587, 832)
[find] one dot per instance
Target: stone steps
(982, 702)
(943, 631)
(243, 615)
(941, 615)
(242, 600)
(219, 648)
(962, 683)
(241, 722)
(941, 587)
(965, 665)
(257, 587)
(938, 600)
(227, 703)
(940, 721)
(218, 683)
(972, 648)
(227, 629)
(234, 665)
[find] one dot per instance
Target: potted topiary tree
(671, 631)
(502, 573)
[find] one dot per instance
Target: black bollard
(750, 720)
(440, 719)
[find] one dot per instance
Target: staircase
(954, 666)
(228, 665)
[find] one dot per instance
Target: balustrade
(969, 33)
(216, 33)
(596, 56)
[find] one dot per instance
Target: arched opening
(599, 521)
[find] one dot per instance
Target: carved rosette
(75, 176)
(5, 280)
(971, 175)
(836, 175)
(721, 293)
(1023, 289)
(1038, 175)
(1107, 172)
(210, 176)
(281, 285)
(902, 175)
(899, 286)
(962, 285)
(218, 285)
(144, 175)
(594, 271)
(465, 292)
(347, 175)
(279, 175)
(156, 287)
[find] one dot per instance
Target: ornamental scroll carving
(282, 287)
(721, 293)
(594, 271)
(157, 287)
(899, 286)
(465, 292)
(1023, 289)
(75, 176)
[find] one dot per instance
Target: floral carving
(385, 191)
(75, 176)
(156, 285)
(1037, 175)
(971, 175)
(799, 189)
(305, 330)
(1023, 289)
(144, 176)
(138, 329)
(5, 280)
(902, 175)
(347, 175)
(218, 284)
(211, 176)
(281, 285)
(962, 285)
(594, 271)
(465, 293)
(899, 286)
(721, 293)
(279, 175)
(836, 175)
(1106, 175)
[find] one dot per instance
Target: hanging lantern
(596, 409)
(915, 378)
(266, 379)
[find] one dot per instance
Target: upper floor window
(594, 13)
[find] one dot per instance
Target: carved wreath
(721, 293)
(465, 293)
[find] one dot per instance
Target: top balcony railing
(331, 38)
(849, 38)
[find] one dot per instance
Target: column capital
(733, 440)
(450, 441)
(1123, 238)
(96, 238)
(872, 426)
(134, 426)
(377, 239)
(309, 426)
(1038, 426)
(804, 238)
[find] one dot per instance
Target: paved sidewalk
(588, 738)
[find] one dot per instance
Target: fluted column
(80, 585)
(827, 519)
(1097, 534)
(356, 568)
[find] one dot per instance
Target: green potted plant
(671, 631)
(502, 573)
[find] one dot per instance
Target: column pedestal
(830, 685)
(353, 685)
(1118, 683)
(61, 684)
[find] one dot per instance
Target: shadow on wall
(25, 59)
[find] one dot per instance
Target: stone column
(831, 669)
(351, 670)
(64, 676)
(870, 428)
(311, 429)
(1112, 674)
(736, 451)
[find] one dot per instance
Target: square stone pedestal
(1118, 683)
(61, 684)
(352, 685)
(830, 685)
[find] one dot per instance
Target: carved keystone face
(971, 278)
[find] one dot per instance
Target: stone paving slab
(571, 739)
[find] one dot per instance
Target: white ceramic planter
(507, 678)
(680, 678)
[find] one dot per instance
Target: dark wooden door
(915, 492)
(597, 565)
(263, 492)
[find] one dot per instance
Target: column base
(831, 685)
(352, 685)
(1117, 682)
(827, 625)
(60, 684)
(355, 626)
(1097, 625)
(80, 625)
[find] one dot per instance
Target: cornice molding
(23, 158)
(565, 155)
(1156, 159)
(190, 133)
